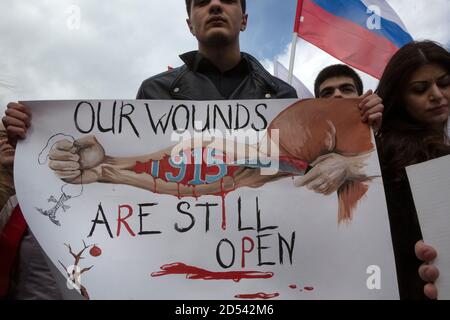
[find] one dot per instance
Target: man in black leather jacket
(218, 70)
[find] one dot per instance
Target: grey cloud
(119, 44)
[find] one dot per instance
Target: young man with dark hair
(218, 70)
(338, 79)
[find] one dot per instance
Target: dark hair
(337, 70)
(404, 140)
(189, 2)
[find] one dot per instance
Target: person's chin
(438, 119)
(7, 162)
(218, 37)
(8, 154)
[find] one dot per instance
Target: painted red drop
(95, 251)
(259, 295)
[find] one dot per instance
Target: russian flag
(361, 33)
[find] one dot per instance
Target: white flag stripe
(281, 72)
(386, 11)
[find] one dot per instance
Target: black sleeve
(140, 94)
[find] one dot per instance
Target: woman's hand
(427, 271)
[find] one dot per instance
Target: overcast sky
(45, 54)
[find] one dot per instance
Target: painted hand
(331, 171)
(79, 161)
(427, 271)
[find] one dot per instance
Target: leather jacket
(185, 84)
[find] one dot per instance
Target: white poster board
(147, 227)
(430, 186)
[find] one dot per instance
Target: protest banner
(251, 199)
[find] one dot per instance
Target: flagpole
(292, 58)
(294, 39)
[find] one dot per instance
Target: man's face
(338, 87)
(216, 22)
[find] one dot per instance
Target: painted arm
(85, 161)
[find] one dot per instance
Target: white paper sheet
(430, 185)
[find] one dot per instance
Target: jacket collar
(192, 58)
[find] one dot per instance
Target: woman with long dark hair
(415, 88)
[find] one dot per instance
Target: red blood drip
(154, 182)
(309, 288)
(178, 189)
(196, 273)
(224, 216)
(293, 286)
(259, 295)
(194, 194)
